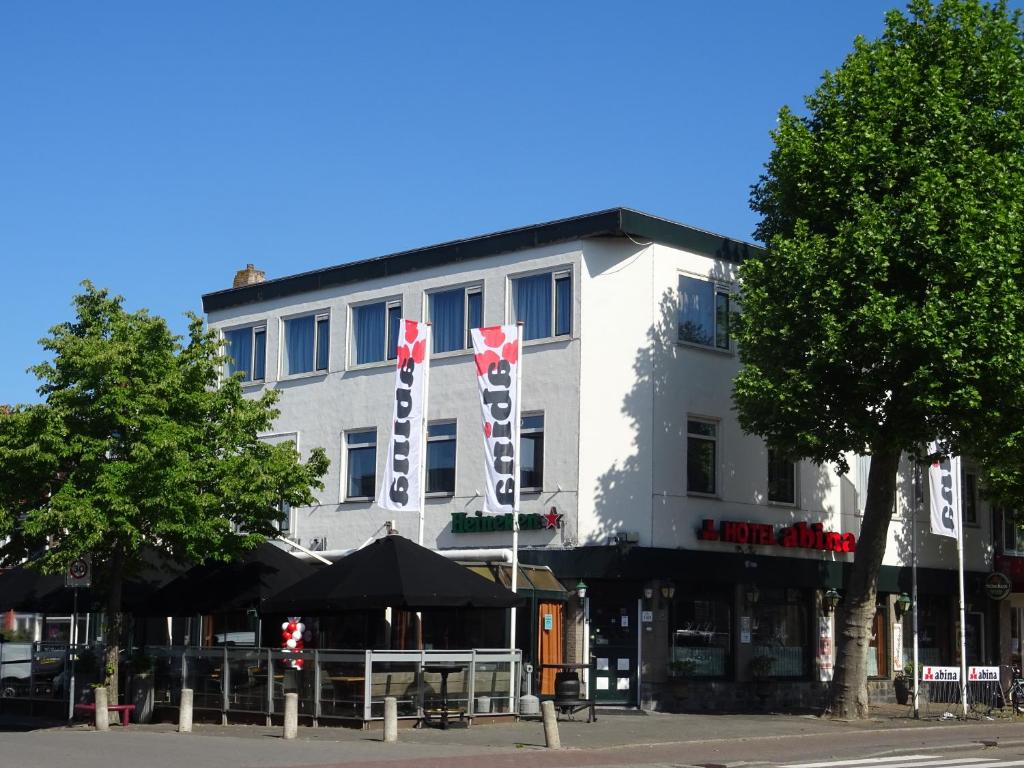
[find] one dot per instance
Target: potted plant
(761, 669)
(679, 673)
(903, 683)
(142, 686)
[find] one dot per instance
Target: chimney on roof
(248, 276)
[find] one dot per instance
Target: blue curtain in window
(298, 345)
(369, 333)
(259, 368)
(476, 315)
(696, 311)
(394, 328)
(533, 305)
(238, 347)
(563, 306)
(323, 343)
(446, 316)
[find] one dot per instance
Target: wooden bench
(123, 709)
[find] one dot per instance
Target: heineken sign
(478, 522)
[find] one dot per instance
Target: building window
(1012, 534)
(441, 458)
(246, 349)
(780, 631)
(452, 314)
(701, 452)
(531, 452)
(970, 499)
(781, 478)
(306, 344)
(703, 313)
(284, 521)
(702, 632)
(375, 329)
(361, 464)
(543, 303)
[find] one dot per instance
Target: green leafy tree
(889, 308)
(137, 445)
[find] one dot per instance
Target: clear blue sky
(155, 148)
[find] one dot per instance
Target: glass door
(613, 645)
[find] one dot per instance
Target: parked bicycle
(1014, 691)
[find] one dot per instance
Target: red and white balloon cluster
(293, 638)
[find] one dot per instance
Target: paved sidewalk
(619, 738)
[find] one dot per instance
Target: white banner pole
(423, 440)
(960, 573)
(913, 581)
(517, 419)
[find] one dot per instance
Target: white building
(630, 443)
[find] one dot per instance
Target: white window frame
(717, 289)
(468, 289)
(555, 274)
(715, 441)
(254, 329)
(323, 314)
(796, 484)
(454, 438)
(390, 303)
(542, 431)
(346, 464)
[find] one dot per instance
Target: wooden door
(550, 643)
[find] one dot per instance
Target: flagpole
(423, 437)
(958, 512)
(515, 515)
(918, 495)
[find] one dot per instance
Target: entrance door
(613, 645)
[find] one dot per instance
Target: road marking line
(872, 760)
(894, 762)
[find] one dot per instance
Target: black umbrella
(392, 572)
(217, 587)
(26, 589)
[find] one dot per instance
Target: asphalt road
(615, 740)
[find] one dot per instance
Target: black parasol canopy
(217, 587)
(392, 572)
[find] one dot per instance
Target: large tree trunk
(849, 692)
(114, 626)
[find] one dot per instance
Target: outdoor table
(444, 670)
(571, 707)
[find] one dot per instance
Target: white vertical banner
(403, 476)
(944, 493)
(496, 350)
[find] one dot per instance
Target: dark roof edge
(614, 222)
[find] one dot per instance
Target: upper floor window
(375, 329)
(361, 464)
(441, 458)
(781, 478)
(544, 304)
(246, 349)
(306, 343)
(701, 456)
(703, 313)
(970, 498)
(452, 314)
(531, 452)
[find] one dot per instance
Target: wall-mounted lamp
(753, 595)
(668, 591)
(648, 593)
(581, 589)
(902, 605)
(830, 600)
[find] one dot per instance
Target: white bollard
(551, 740)
(390, 720)
(185, 711)
(102, 716)
(291, 715)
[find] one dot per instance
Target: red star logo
(552, 519)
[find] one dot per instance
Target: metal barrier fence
(941, 689)
(337, 684)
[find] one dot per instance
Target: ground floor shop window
(878, 665)
(780, 631)
(702, 633)
(933, 627)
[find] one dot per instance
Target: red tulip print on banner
(400, 490)
(496, 355)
